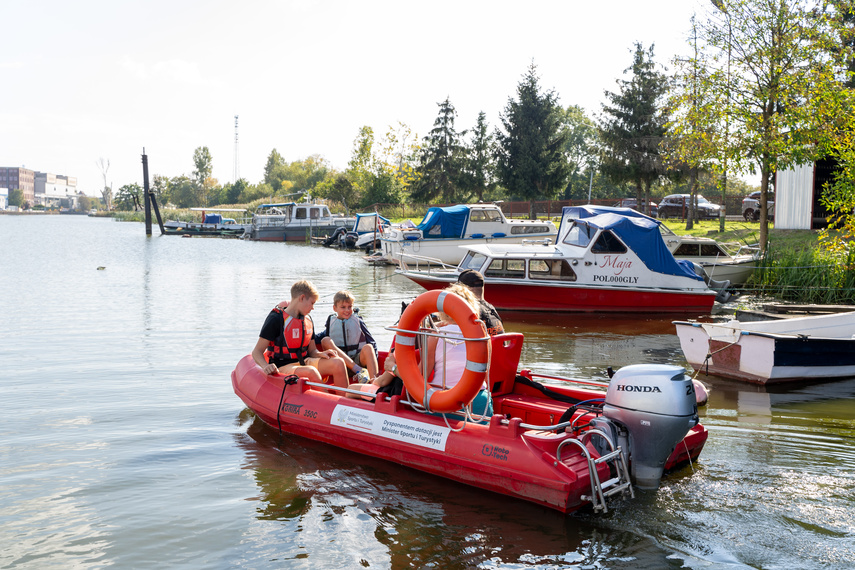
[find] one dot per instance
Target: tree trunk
(764, 193)
(693, 178)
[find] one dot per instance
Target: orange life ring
(470, 383)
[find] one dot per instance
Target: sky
(105, 79)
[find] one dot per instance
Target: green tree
(129, 198)
(530, 149)
(202, 174)
(182, 192)
(480, 163)
(582, 150)
(232, 192)
(633, 126)
(440, 167)
(784, 56)
(16, 197)
(274, 161)
(84, 203)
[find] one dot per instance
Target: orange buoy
(454, 398)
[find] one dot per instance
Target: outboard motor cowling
(656, 404)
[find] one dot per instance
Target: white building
(797, 194)
(56, 190)
(4, 198)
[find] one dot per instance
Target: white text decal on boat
(390, 427)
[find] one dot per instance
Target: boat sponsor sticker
(390, 427)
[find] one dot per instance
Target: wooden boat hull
(502, 457)
(759, 357)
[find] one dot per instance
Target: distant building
(56, 190)
(12, 177)
(797, 195)
(4, 198)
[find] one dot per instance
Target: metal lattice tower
(237, 156)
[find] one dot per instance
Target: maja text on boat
(564, 446)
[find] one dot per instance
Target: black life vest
(292, 344)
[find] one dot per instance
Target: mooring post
(146, 195)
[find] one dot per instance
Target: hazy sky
(90, 79)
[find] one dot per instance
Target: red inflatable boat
(562, 446)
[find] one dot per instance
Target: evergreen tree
(439, 171)
(634, 125)
(274, 162)
(480, 162)
(530, 159)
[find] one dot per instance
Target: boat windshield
(580, 234)
(473, 260)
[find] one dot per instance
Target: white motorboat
(443, 231)
(603, 263)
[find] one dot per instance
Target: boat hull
(580, 298)
(766, 358)
(291, 233)
(499, 457)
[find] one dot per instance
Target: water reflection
(418, 520)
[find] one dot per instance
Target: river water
(122, 443)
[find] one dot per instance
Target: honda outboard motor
(656, 405)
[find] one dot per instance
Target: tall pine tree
(634, 124)
(440, 167)
(530, 159)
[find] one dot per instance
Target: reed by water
(806, 276)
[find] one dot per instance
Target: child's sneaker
(362, 376)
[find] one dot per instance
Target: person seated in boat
(487, 313)
(446, 358)
(286, 344)
(345, 333)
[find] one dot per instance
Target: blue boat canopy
(637, 231)
(448, 222)
(213, 219)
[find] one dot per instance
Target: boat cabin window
(711, 250)
(485, 216)
(472, 261)
(686, 250)
(552, 269)
(608, 243)
(508, 268)
(580, 234)
(301, 214)
(314, 213)
(530, 229)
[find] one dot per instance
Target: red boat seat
(504, 360)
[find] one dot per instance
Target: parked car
(677, 206)
(751, 206)
(633, 203)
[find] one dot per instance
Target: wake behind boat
(564, 447)
(601, 262)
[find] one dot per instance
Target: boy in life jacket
(286, 344)
(345, 333)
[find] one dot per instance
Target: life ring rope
(477, 351)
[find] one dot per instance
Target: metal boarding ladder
(600, 490)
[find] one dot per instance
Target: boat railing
(422, 261)
(544, 241)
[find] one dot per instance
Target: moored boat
(443, 230)
(562, 446)
(775, 351)
(213, 224)
(608, 262)
(291, 221)
(720, 261)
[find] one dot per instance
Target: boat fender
(477, 348)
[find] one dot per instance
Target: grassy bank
(795, 267)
